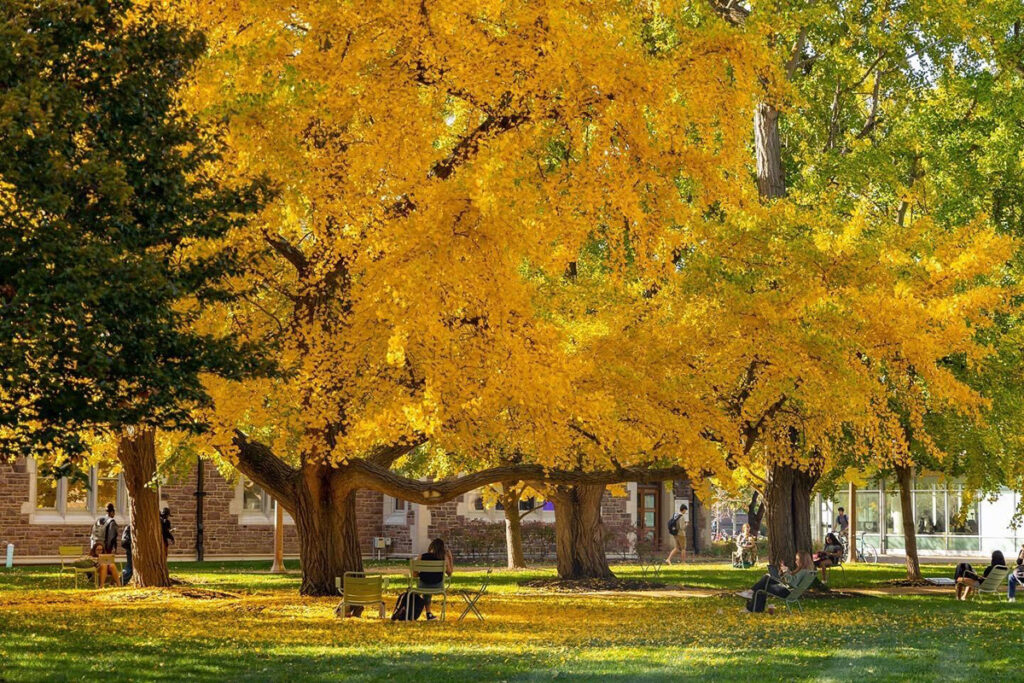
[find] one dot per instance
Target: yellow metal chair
(431, 567)
(359, 589)
(68, 555)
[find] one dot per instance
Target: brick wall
(225, 537)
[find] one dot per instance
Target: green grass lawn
(266, 631)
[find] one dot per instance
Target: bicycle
(866, 552)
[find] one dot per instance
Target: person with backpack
(126, 543)
(104, 531)
(166, 530)
(677, 530)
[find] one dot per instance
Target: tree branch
(364, 474)
(259, 463)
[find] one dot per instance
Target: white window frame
(264, 516)
(60, 514)
(396, 511)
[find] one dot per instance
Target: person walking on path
(843, 522)
(166, 530)
(677, 530)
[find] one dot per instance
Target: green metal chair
(796, 591)
(417, 566)
(359, 589)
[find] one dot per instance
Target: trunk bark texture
(755, 513)
(325, 518)
(903, 475)
(513, 527)
(771, 181)
(136, 451)
(788, 508)
(579, 532)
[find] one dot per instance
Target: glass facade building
(947, 523)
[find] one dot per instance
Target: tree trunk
(779, 509)
(788, 507)
(903, 476)
(771, 181)
(579, 532)
(325, 518)
(510, 495)
(755, 513)
(803, 485)
(136, 451)
(278, 566)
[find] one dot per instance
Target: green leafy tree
(110, 218)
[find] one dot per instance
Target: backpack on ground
(673, 524)
(418, 603)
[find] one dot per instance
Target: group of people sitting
(968, 580)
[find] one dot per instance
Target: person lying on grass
(778, 583)
(967, 579)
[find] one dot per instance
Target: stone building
(237, 517)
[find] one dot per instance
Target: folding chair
(68, 555)
(417, 566)
(471, 598)
(359, 589)
(991, 584)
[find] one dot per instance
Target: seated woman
(781, 586)
(745, 546)
(830, 556)
(435, 551)
(967, 579)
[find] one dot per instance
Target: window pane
(252, 496)
(46, 493)
(78, 494)
(894, 514)
(931, 513)
(867, 511)
(106, 492)
(649, 519)
(649, 500)
(963, 516)
(399, 504)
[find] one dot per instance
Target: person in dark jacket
(105, 531)
(166, 530)
(126, 543)
(967, 579)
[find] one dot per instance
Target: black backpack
(126, 538)
(418, 603)
(673, 524)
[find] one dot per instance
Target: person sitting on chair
(830, 556)
(967, 579)
(1015, 579)
(435, 551)
(92, 560)
(778, 583)
(745, 547)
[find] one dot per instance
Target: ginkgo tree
(433, 158)
(852, 143)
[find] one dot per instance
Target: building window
(254, 498)
(399, 505)
(79, 496)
